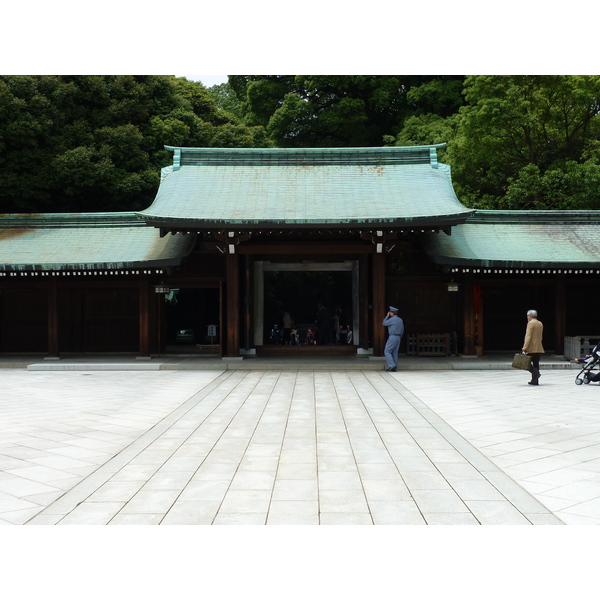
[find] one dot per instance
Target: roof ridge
(535, 216)
(96, 219)
(325, 150)
(305, 156)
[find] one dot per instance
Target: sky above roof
(294, 43)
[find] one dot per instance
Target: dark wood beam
(306, 247)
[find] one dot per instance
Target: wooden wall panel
(425, 307)
(24, 320)
(111, 318)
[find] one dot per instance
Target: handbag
(521, 361)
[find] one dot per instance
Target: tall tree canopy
(341, 110)
(528, 142)
(226, 99)
(95, 143)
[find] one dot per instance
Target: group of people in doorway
(532, 344)
(330, 327)
(287, 335)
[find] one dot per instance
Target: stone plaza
(335, 446)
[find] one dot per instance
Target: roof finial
(433, 157)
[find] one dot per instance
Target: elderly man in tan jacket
(533, 345)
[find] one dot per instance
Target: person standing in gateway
(395, 327)
(533, 344)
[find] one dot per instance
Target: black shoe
(391, 370)
(532, 382)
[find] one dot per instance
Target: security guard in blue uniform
(395, 327)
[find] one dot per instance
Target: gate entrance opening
(300, 287)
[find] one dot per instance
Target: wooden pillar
(356, 303)
(144, 317)
(363, 302)
(248, 300)
(560, 317)
(259, 303)
(478, 318)
(469, 316)
(222, 340)
(53, 333)
(158, 300)
(379, 305)
(233, 305)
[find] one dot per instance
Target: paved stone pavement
(298, 447)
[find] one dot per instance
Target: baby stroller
(295, 337)
(591, 368)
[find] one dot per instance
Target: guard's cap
(393, 309)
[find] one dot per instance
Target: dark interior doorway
(301, 292)
(189, 313)
(505, 314)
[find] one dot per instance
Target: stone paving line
(248, 447)
(545, 438)
(57, 429)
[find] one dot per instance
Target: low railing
(579, 345)
(428, 344)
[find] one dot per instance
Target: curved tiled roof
(293, 188)
(518, 239)
(52, 242)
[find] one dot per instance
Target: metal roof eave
(472, 263)
(70, 220)
(438, 221)
(521, 240)
(538, 217)
(104, 266)
(88, 249)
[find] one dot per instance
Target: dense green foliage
(514, 142)
(341, 110)
(95, 143)
(528, 142)
(226, 99)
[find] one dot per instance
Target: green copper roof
(49, 242)
(520, 239)
(305, 187)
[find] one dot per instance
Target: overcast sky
(387, 38)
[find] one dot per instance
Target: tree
(528, 142)
(96, 143)
(339, 110)
(424, 130)
(226, 99)
(573, 186)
